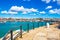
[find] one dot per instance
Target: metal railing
(19, 33)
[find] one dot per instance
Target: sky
(29, 8)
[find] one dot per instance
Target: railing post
(38, 24)
(33, 25)
(28, 27)
(11, 34)
(20, 31)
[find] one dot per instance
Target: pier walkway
(42, 33)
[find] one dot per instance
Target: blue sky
(30, 8)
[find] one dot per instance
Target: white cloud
(47, 1)
(42, 12)
(55, 11)
(4, 11)
(58, 2)
(33, 14)
(33, 10)
(22, 9)
(16, 9)
(48, 7)
(26, 0)
(52, 11)
(24, 12)
(54, 0)
(8, 12)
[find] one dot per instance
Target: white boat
(3, 22)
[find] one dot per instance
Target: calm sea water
(5, 27)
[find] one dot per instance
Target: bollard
(11, 34)
(20, 31)
(28, 27)
(33, 26)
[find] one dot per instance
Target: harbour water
(5, 27)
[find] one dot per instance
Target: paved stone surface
(42, 33)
